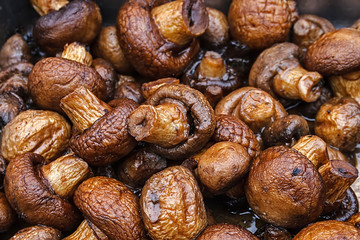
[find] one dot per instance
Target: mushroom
(338, 123)
(276, 233)
(217, 33)
(43, 132)
(7, 215)
(107, 46)
(278, 71)
(176, 103)
(172, 205)
(111, 207)
(355, 220)
(212, 77)
(149, 88)
(37, 233)
(108, 73)
(356, 24)
(79, 20)
(103, 138)
(14, 50)
(346, 85)
(2, 171)
(39, 192)
(10, 106)
(160, 39)
(253, 106)
(309, 28)
(260, 24)
(326, 230)
(87, 231)
(16, 84)
(284, 188)
(310, 109)
(226, 231)
(128, 87)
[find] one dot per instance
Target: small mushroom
(172, 205)
(253, 106)
(226, 231)
(328, 230)
(111, 207)
(129, 89)
(2, 171)
(87, 231)
(27, 188)
(260, 24)
(278, 71)
(78, 21)
(7, 215)
(14, 50)
(310, 109)
(284, 188)
(10, 106)
(108, 73)
(217, 33)
(335, 53)
(44, 132)
(149, 88)
(338, 123)
(160, 39)
(16, 84)
(346, 85)
(37, 233)
(276, 233)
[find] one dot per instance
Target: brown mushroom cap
(108, 74)
(328, 230)
(111, 206)
(284, 188)
(225, 231)
(37, 233)
(7, 215)
(260, 24)
(335, 53)
(14, 50)
(31, 197)
(217, 33)
(10, 106)
(172, 205)
(78, 21)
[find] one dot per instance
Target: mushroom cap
(31, 197)
(111, 206)
(14, 50)
(226, 231)
(37, 233)
(335, 53)
(7, 215)
(327, 230)
(284, 188)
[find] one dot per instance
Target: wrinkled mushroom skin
(2, 171)
(112, 129)
(37, 233)
(253, 106)
(260, 24)
(111, 206)
(284, 188)
(172, 205)
(145, 47)
(226, 231)
(108, 73)
(285, 131)
(130, 90)
(346, 85)
(201, 112)
(229, 128)
(107, 46)
(277, 71)
(7, 215)
(338, 123)
(310, 109)
(31, 198)
(10, 106)
(78, 21)
(335, 53)
(17, 84)
(14, 50)
(53, 78)
(217, 33)
(309, 28)
(44, 132)
(327, 230)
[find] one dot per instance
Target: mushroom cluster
(143, 128)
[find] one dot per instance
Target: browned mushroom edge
(37, 232)
(14, 50)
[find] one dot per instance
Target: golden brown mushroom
(37, 233)
(226, 231)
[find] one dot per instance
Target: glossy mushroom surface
(37, 233)
(226, 231)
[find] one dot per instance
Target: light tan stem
(338, 175)
(165, 125)
(43, 7)
(65, 174)
(83, 108)
(77, 52)
(212, 66)
(83, 232)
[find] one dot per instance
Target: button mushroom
(160, 40)
(10, 106)
(226, 231)
(260, 24)
(217, 33)
(37, 233)
(14, 50)
(278, 71)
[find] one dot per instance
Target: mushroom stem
(83, 108)
(182, 20)
(338, 175)
(77, 52)
(165, 125)
(297, 83)
(65, 174)
(43, 7)
(211, 66)
(83, 232)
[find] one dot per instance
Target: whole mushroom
(226, 231)
(14, 50)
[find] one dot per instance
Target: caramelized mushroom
(160, 39)
(278, 71)
(111, 207)
(10, 106)
(226, 231)
(78, 21)
(37, 233)
(276, 233)
(217, 33)
(7, 215)
(130, 90)
(355, 220)
(338, 123)
(14, 50)
(108, 73)
(346, 85)
(327, 230)
(284, 188)
(260, 24)
(310, 109)
(172, 205)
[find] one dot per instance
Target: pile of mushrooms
(129, 131)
